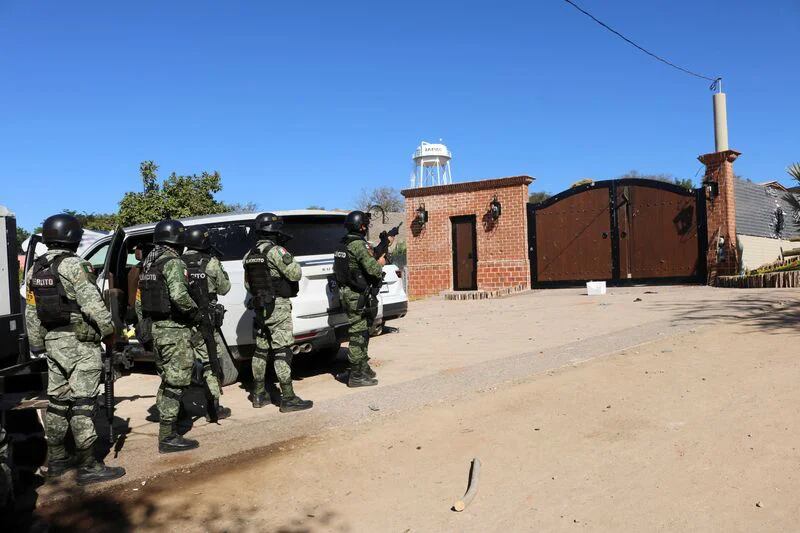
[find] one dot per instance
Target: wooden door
(663, 232)
(572, 236)
(465, 254)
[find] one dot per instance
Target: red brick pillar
(722, 259)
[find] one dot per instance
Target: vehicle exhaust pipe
(295, 349)
(306, 347)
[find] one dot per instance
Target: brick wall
(721, 215)
(502, 247)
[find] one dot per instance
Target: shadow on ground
(79, 511)
(773, 314)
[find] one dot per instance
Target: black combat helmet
(197, 238)
(170, 232)
(355, 220)
(268, 223)
(62, 229)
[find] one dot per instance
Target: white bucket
(595, 288)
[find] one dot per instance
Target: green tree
(794, 171)
(386, 197)
(316, 207)
(22, 234)
(686, 183)
(95, 221)
(177, 197)
(539, 196)
(582, 181)
(247, 207)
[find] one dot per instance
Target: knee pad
(58, 407)
(284, 354)
(261, 354)
(84, 406)
(172, 392)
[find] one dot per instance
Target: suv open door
(111, 289)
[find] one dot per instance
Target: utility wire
(715, 81)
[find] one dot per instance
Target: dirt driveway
(654, 437)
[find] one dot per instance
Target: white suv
(318, 318)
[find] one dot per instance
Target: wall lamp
(422, 215)
(495, 209)
(712, 189)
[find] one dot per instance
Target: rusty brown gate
(618, 231)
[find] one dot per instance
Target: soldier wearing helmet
(271, 276)
(66, 317)
(359, 277)
(165, 301)
(207, 279)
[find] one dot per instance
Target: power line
(714, 81)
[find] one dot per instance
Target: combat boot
(259, 399)
(176, 443)
(97, 472)
(368, 371)
(291, 402)
(221, 411)
(358, 378)
(58, 467)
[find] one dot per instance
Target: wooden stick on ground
(472, 486)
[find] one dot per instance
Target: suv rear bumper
(395, 310)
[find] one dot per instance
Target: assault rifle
(383, 246)
(207, 328)
(113, 359)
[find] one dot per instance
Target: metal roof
(758, 208)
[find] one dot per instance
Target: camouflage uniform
(360, 257)
(218, 283)
(6, 486)
(280, 334)
(73, 358)
(177, 344)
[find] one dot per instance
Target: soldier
(207, 279)
(66, 317)
(165, 299)
(271, 276)
(359, 276)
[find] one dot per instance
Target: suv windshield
(311, 235)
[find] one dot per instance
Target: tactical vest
(154, 291)
(263, 286)
(53, 307)
(345, 276)
(198, 279)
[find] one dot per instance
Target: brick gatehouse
(464, 245)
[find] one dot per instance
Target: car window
(315, 234)
(130, 248)
(231, 240)
(97, 257)
(311, 235)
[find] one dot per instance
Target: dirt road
(696, 430)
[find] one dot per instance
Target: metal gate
(618, 231)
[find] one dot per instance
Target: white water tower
(431, 165)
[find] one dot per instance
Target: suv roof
(233, 217)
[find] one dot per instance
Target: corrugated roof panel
(757, 211)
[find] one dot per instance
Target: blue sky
(300, 103)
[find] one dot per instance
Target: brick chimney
(722, 258)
